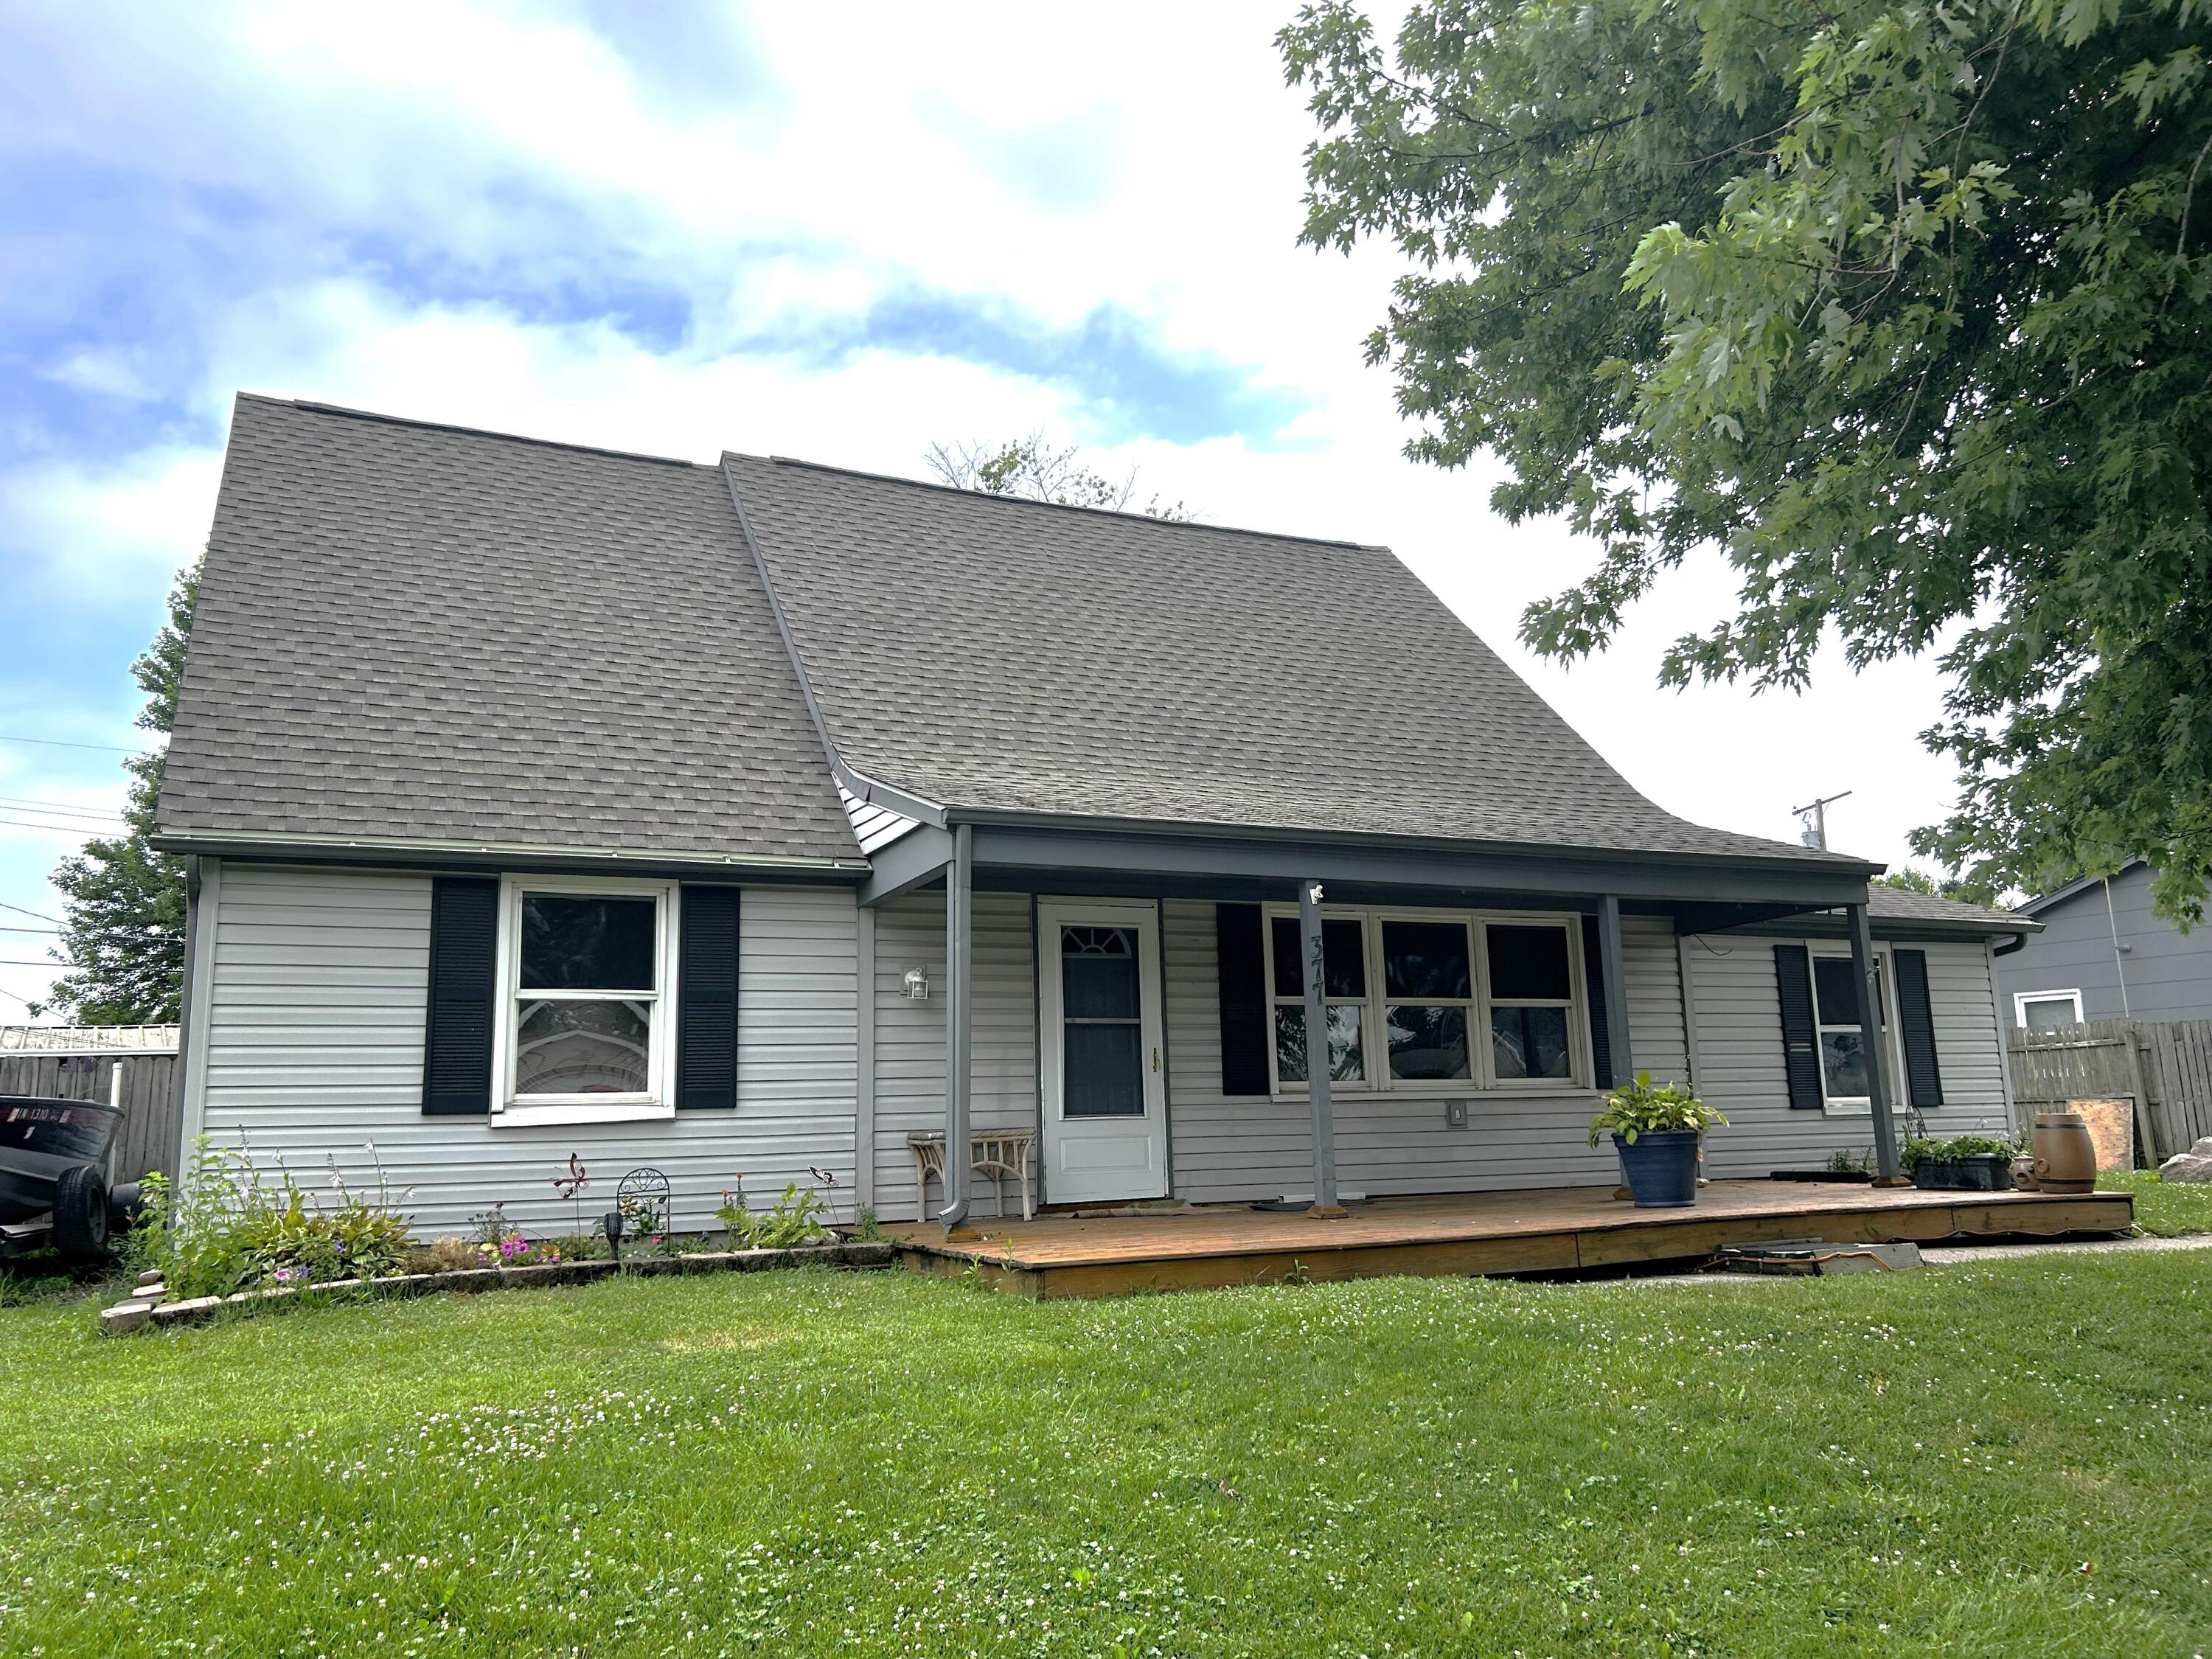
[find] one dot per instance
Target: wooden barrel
(2065, 1155)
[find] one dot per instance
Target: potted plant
(1972, 1163)
(1657, 1128)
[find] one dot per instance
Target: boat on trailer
(53, 1173)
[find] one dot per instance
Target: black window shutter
(1600, 1025)
(456, 1031)
(1244, 989)
(1801, 1045)
(1917, 1026)
(707, 1000)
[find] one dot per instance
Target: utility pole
(1816, 827)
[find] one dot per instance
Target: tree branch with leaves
(1906, 311)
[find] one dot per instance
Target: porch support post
(959, 1021)
(1615, 991)
(1876, 1050)
(1317, 1068)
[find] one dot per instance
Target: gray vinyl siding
(910, 1038)
(2169, 974)
(1243, 1147)
(315, 1009)
(1739, 1062)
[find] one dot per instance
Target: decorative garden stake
(613, 1222)
(572, 1185)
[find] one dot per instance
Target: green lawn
(2166, 1208)
(2000, 1458)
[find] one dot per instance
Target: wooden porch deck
(1559, 1230)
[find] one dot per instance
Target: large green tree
(1903, 309)
(123, 926)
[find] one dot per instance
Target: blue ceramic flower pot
(1661, 1166)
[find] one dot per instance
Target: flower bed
(150, 1306)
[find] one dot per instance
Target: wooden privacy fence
(2165, 1067)
(148, 1140)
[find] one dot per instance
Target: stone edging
(148, 1306)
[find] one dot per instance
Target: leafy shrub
(797, 1218)
(867, 1230)
(229, 1224)
(1845, 1161)
(1643, 1108)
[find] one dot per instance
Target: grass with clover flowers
(1994, 1459)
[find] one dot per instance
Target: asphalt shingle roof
(1903, 904)
(994, 654)
(422, 633)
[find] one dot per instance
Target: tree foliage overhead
(123, 927)
(1037, 470)
(1903, 307)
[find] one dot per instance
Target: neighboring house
(546, 799)
(2103, 954)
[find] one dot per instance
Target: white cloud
(484, 135)
(114, 524)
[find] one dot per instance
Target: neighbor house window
(2046, 1011)
(588, 971)
(1846, 1054)
(1433, 999)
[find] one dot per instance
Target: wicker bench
(997, 1153)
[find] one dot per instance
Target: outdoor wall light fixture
(917, 984)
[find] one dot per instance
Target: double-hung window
(1344, 979)
(588, 971)
(1429, 1000)
(1846, 1054)
(1428, 981)
(1532, 1001)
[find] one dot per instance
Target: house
(2104, 954)
(746, 819)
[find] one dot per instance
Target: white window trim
(1889, 1040)
(511, 1111)
(2021, 999)
(1373, 1039)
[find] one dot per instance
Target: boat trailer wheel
(81, 1213)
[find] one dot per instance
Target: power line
(85, 830)
(57, 742)
(17, 962)
(72, 809)
(30, 930)
(38, 916)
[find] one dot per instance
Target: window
(1410, 994)
(588, 969)
(1102, 1023)
(1844, 1047)
(1428, 979)
(1344, 982)
(2046, 1011)
(1532, 1001)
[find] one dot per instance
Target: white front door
(1105, 1087)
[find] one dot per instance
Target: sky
(837, 233)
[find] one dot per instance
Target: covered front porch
(1222, 1046)
(1554, 1231)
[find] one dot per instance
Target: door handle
(1156, 1060)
